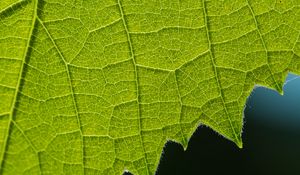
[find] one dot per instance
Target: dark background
(271, 140)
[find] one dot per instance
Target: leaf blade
(108, 83)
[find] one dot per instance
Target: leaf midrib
(21, 72)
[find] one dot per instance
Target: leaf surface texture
(98, 87)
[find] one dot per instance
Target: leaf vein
(137, 82)
(70, 84)
(216, 73)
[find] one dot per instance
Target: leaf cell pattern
(98, 87)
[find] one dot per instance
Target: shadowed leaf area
(98, 87)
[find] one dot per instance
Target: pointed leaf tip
(239, 142)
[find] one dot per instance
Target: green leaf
(98, 87)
